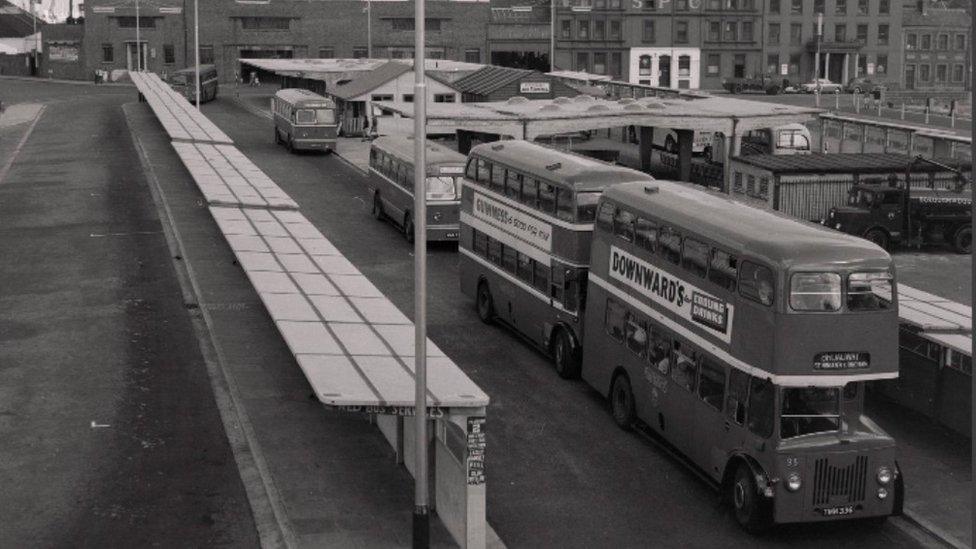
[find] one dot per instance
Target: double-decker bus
(184, 82)
(391, 179)
(743, 338)
(527, 216)
(304, 120)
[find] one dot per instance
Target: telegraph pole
(138, 43)
(196, 47)
(421, 514)
(552, 35)
(816, 64)
(369, 29)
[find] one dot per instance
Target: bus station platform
(181, 119)
(226, 177)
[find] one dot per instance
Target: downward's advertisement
(513, 222)
(708, 312)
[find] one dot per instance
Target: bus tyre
(408, 228)
(622, 402)
(749, 509)
(878, 236)
(962, 241)
(564, 356)
(484, 303)
(377, 207)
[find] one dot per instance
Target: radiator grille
(845, 481)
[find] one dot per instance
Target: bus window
(623, 225)
(509, 259)
(471, 171)
(722, 269)
(586, 206)
(685, 369)
(325, 116)
(498, 179)
(694, 257)
(792, 139)
(756, 283)
(646, 234)
(530, 192)
(564, 205)
(636, 334)
(815, 292)
(851, 390)
(671, 245)
(761, 407)
(304, 116)
(711, 387)
(479, 243)
(547, 198)
(494, 251)
(575, 288)
(513, 185)
(869, 291)
(735, 403)
(556, 285)
(541, 277)
(614, 321)
(810, 410)
(660, 351)
(524, 268)
(406, 177)
(484, 172)
(441, 187)
(373, 158)
(604, 219)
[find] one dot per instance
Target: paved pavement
(111, 436)
(560, 473)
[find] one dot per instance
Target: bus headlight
(882, 493)
(793, 482)
(884, 474)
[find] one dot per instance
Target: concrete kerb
(62, 81)
(266, 505)
(916, 521)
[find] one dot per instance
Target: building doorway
(664, 71)
(909, 77)
(132, 57)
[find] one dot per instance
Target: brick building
(519, 34)
(110, 38)
(936, 43)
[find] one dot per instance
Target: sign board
(173, 11)
(518, 224)
(67, 53)
(711, 313)
(870, 68)
(833, 361)
(103, 9)
(784, 69)
(476, 442)
(534, 87)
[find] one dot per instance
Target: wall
(64, 53)
(14, 65)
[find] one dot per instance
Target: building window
(583, 61)
(818, 6)
(773, 6)
(794, 68)
(644, 65)
(840, 33)
(206, 55)
(130, 22)
(943, 42)
(266, 23)
(883, 35)
(796, 7)
(566, 29)
(714, 63)
(326, 53)
(862, 7)
(360, 53)
(862, 65)
(730, 32)
(796, 31)
(681, 5)
(862, 34)
(169, 54)
(739, 65)
(407, 24)
(714, 31)
(747, 31)
(924, 73)
(911, 41)
(772, 64)
(615, 29)
(472, 55)
(648, 35)
(926, 42)
(599, 30)
(443, 98)
(957, 73)
(681, 32)
(615, 4)
(108, 53)
(650, 4)
(599, 63)
(840, 8)
(960, 41)
(881, 65)
(884, 7)
(583, 29)
(941, 73)
(772, 37)
(381, 97)
(616, 64)
(684, 66)
(408, 98)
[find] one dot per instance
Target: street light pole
(421, 515)
(369, 29)
(552, 35)
(138, 43)
(196, 47)
(816, 64)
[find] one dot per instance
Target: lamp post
(552, 35)
(196, 48)
(138, 43)
(421, 515)
(369, 29)
(816, 64)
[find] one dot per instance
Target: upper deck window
(869, 291)
(564, 205)
(815, 292)
(586, 206)
(623, 225)
(810, 410)
(530, 192)
(671, 244)
(484, 171)
(604, 220)
(695, 257)
(497, 179)
(723, 269)
(756, 283)
(513, 186)
(646, 234)
(547, 198)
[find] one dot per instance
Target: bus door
(713, 423)
(677, 420)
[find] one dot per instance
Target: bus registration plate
(837, 511)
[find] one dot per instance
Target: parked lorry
(761, 84)
(898, 212)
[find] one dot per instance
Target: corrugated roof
(950, 18)
(844, 163)
(369, 81)
(16, 22)
(489, 79)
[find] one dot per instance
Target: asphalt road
(110, 433)
(560, 473)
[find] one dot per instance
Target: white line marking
(23, 140)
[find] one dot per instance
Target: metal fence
(811, 197)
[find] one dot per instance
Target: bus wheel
(879, 237)
(749, 510)
(408, 228)
(377, 207)
(962, 241)
(486, 307)
(567, 364)
(622, 402)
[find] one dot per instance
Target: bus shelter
(522, 118)
(849, 134)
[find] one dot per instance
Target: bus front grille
(846, 482)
